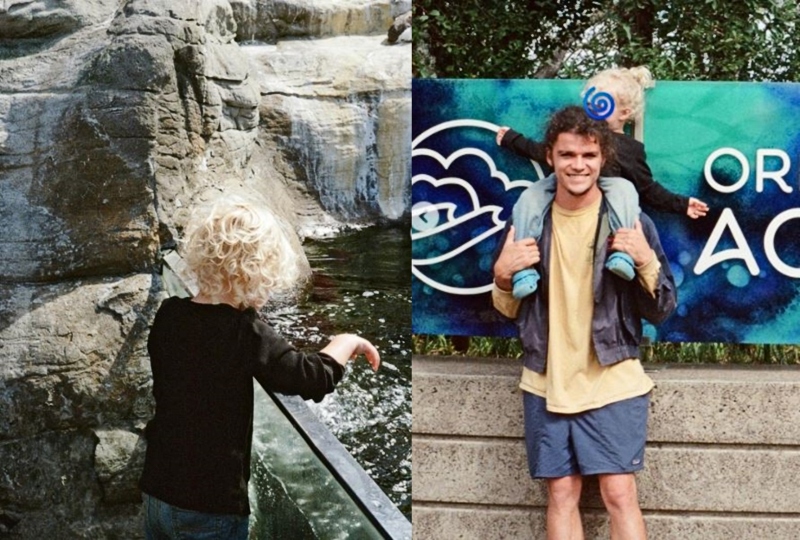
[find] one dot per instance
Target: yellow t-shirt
(574, 380)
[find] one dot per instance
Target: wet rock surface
(117, 118)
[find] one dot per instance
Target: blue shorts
(608, 440)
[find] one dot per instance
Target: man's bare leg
(563, 514)
(622, 502)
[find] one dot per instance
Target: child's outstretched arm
(632, 162)
(343, 347)
(521, 145)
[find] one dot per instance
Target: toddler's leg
(623, 209)
(528, 218)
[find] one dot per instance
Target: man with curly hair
(585, 394)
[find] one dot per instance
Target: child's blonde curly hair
(627, 85)
(239, 251)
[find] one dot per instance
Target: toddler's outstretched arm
(521, 145)
(343, 347)
(697, 208)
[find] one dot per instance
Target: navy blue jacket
(619, 305)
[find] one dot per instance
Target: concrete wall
(722, 461)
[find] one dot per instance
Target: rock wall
(272, 20)
(336, 111)
(117, 118)
(339, 116)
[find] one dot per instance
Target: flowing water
(362, 284)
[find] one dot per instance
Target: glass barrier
(306, 485)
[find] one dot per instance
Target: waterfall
(340, 112)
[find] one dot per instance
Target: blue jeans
(163, 521)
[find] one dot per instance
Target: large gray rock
(73, 359)
(349, 94)
(97, 149)
(117, 119)
(23, 19)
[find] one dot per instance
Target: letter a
(742, 250)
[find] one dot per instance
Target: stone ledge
(473, 523)
(675, 478)
(479, 397)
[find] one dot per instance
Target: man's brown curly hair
(574, 119)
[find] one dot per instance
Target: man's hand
(514, 256)
(634, 243)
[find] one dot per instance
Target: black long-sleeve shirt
(204, 358)
(630, 163)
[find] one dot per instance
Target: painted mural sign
(735, 146)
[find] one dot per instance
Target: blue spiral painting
(598, 105)
(732, 145)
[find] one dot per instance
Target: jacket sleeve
(656, 307)
(522, 146)
(279, 367)
(504, 302)
(633, 165)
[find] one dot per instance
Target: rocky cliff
(116, 119)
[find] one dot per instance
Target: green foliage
(484, 347)
(721, 353)
(473, 39)
(749, 40)
(656, 353)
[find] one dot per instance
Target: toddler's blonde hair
(235, 248)
(627, 85)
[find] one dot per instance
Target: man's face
(576, 161)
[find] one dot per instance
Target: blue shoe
(621, 264)
(525, 283)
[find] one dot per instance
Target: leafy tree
(746, 40)
(505, 39)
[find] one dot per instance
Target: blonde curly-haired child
(205, 352)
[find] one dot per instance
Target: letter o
(769, 243)
(710, 178)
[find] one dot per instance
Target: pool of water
(362, 285)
